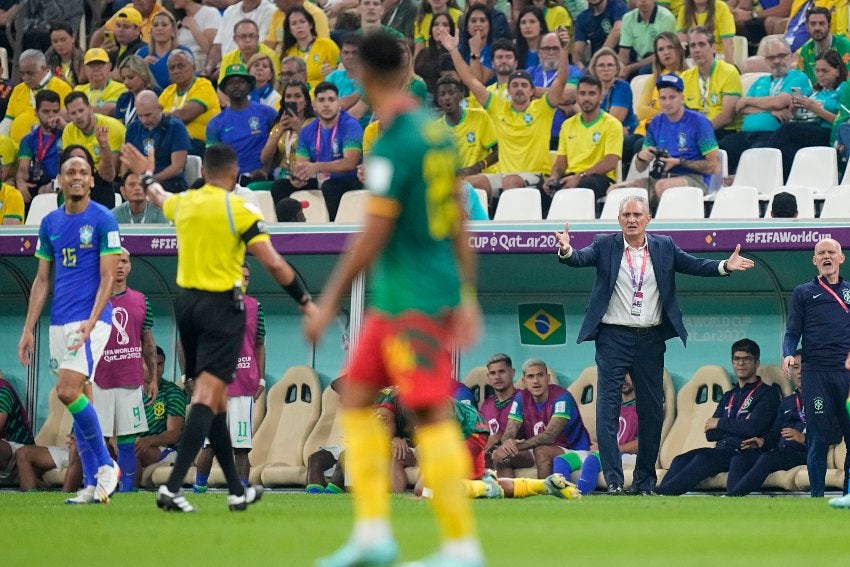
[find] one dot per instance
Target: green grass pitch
(292, 529)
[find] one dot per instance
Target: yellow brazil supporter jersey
(21, 108)
(523, 136)
(674, 6)
(370, 136)
(584, 145)
(275, 35)
(323, 52)
(724, 23)
(146, 22)
(707, 96)
(106, 95)
(213, 228)
(500, 89)
(11, 204)
(235, 56)
(422, 30)
(73, 135)
(8, 151)
(200, 91)
(557, 16)
(474, 136)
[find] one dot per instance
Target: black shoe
(641, 492)
(615, 490)
(251, 495)
(172, 502)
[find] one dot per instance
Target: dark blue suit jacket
(606, 253)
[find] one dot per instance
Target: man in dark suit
(633, 310)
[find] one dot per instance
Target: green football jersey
(170, 401)
(413, 165)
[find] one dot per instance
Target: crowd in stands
(278, 81)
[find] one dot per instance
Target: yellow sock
(475, 488)
(445, 464)
(525, 487)
(367, 458)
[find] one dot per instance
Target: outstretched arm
(476, 87)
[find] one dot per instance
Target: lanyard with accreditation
(833, 294)
(637, 285)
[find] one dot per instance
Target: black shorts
(211, 329)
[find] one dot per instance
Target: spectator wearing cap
(686, 136)
(244, 125)
(291, 210)
(101, 90)
(35, 76)
(784, 206)
(147, 9)
(162, 136)
(127, 37)
(522, 124)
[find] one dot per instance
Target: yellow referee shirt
(585, 145)
(706, 96)
(523, 136)
(213, 229)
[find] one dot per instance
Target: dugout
(520, 281)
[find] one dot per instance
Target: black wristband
(147, 180)
(297, 291)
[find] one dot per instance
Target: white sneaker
(172, 502)
(251, 495)
(840, 502)
(84, 496)
(107, 481)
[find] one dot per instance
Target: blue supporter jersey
(169, 136)
(246, 131)
(620, 94)
(75, 243)
(691, 138)
(594, 29)
(319, 144)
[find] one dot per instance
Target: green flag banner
(542, 324)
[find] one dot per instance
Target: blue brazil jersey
(75, 243)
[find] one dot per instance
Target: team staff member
(213, 228)
(633, 311)
(819, 314)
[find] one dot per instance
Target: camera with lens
(656, 170)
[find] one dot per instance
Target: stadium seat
(845, 178)
(681, 203)
(747, 80)
(836, 205)
(266, 202)
(302, 405)
(805, 201)
(54, 432)
(522, 204)
(317, 211)
(638, 84)
(478, 382)
(716, 181)
(834, 474)
(4, 60)
(583, 390)
(352, 207)
(573, 204)
(760, 168)
(742, 49)
(634, 173)
(815, 167)
(695, 403)
(259, 412)
(736, 202)
(611, 209)
(773, 374)
(192, 169)
(328, 429)
(118, 199)
(41, 206)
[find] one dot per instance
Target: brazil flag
(542, 324)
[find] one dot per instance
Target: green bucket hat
(237, 70)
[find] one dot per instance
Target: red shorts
(475, 444)
(409, 351)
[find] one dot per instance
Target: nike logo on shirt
(816, 296)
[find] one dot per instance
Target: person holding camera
(679, 148)
(589, 146)
(38, 154)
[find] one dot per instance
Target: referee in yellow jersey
(214, 227)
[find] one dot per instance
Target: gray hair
(638, 198)
(500, 357)
(33, 55)
(300, 63)
(534, 362)
(190, 57)
(775, 40)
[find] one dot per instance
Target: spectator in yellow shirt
(300, 40)
(101, 90)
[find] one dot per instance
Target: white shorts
(497, 180)
(120, 411)
(83, 360)
(336, 451)
(59, 456)
(240, 422)
(9, 470)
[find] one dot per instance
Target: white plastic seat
(742, 48)
(837, 203)
(760, 168)
(805, 201)
(4, 60)
(611, 209)
(352, 207)
(634, 173)
(638, 84)
(736, 202)
(815, 167)
(41, 206)
(747, 80)
(317, 211)
(485, 200)
(681, 203)
(118, 199)
(573, 204)
(266, 203)
(192, 169)
(522, 204)
(716, 181)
